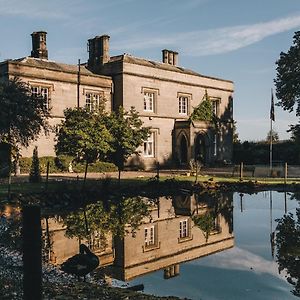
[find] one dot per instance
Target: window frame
(93, 97)
(183, 105)
(149, 107)
(215, 102)
(40, 92)
(150, 141)
(188, 98)
(187, 236)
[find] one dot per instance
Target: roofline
(160, 63)
(18, 61)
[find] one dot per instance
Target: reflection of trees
(10, 227)
(288, 249)
(111, 216)
(217, 204)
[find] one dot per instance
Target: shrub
(35, 172)
(61, 164)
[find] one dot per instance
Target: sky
(237, 40)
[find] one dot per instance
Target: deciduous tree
(83, 135)
(128, 133)
(287, 80)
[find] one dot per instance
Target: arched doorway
(183, 150)
(200, 148)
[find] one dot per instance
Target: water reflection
(136, 236)
(288, 248)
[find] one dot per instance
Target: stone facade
(163, 93)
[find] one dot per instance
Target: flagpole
(271, 147)
(272, 118)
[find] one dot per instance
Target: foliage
(288, 248)
(204, 111)
(258, 152)
(288, 77)
(205, 222)
(288, 82)
(35, 173)
(275, 136)
(22, 115)
(128, 133)
(110, 216)
(60, 164)
(10, 227)
(83, 135)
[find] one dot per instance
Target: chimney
(165, 56)
(98, 48)
(170, 57)
(39, 46)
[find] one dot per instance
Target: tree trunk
(119, 177)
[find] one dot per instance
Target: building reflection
(175, 230)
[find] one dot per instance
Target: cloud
(243, 260)
(213, 41)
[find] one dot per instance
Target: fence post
(241, 170)
(32, 253)
(285, 172)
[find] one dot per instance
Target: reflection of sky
(247, 271)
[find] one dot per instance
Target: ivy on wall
(203, 111)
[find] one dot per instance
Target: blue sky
(233, 39)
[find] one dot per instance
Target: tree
(288, 248)
(22, 115)
(128, 133)
(287, 80)
(275, 136)
(35, 173)
(83, 135)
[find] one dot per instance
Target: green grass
(65, 184)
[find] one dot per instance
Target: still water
(203, 246)
(247, 270)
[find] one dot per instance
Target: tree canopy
(288, 77)
(287, 82)
(23, 115)
(288, 248)
(128, 133)
(83, 135)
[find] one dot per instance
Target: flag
(272, 112)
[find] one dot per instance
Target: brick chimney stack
(39, 45)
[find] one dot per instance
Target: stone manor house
(163, 93)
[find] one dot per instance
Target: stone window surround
(86, 91)
(155, 93)
(215, 105)
(149, 145)
(154, 132)
(189, 98)
(155, 244)
(42, 85)
(188, 233)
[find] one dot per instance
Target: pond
(203, 246)
(248, 270)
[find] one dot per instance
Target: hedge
(60, 164)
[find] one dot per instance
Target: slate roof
(159, 65)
